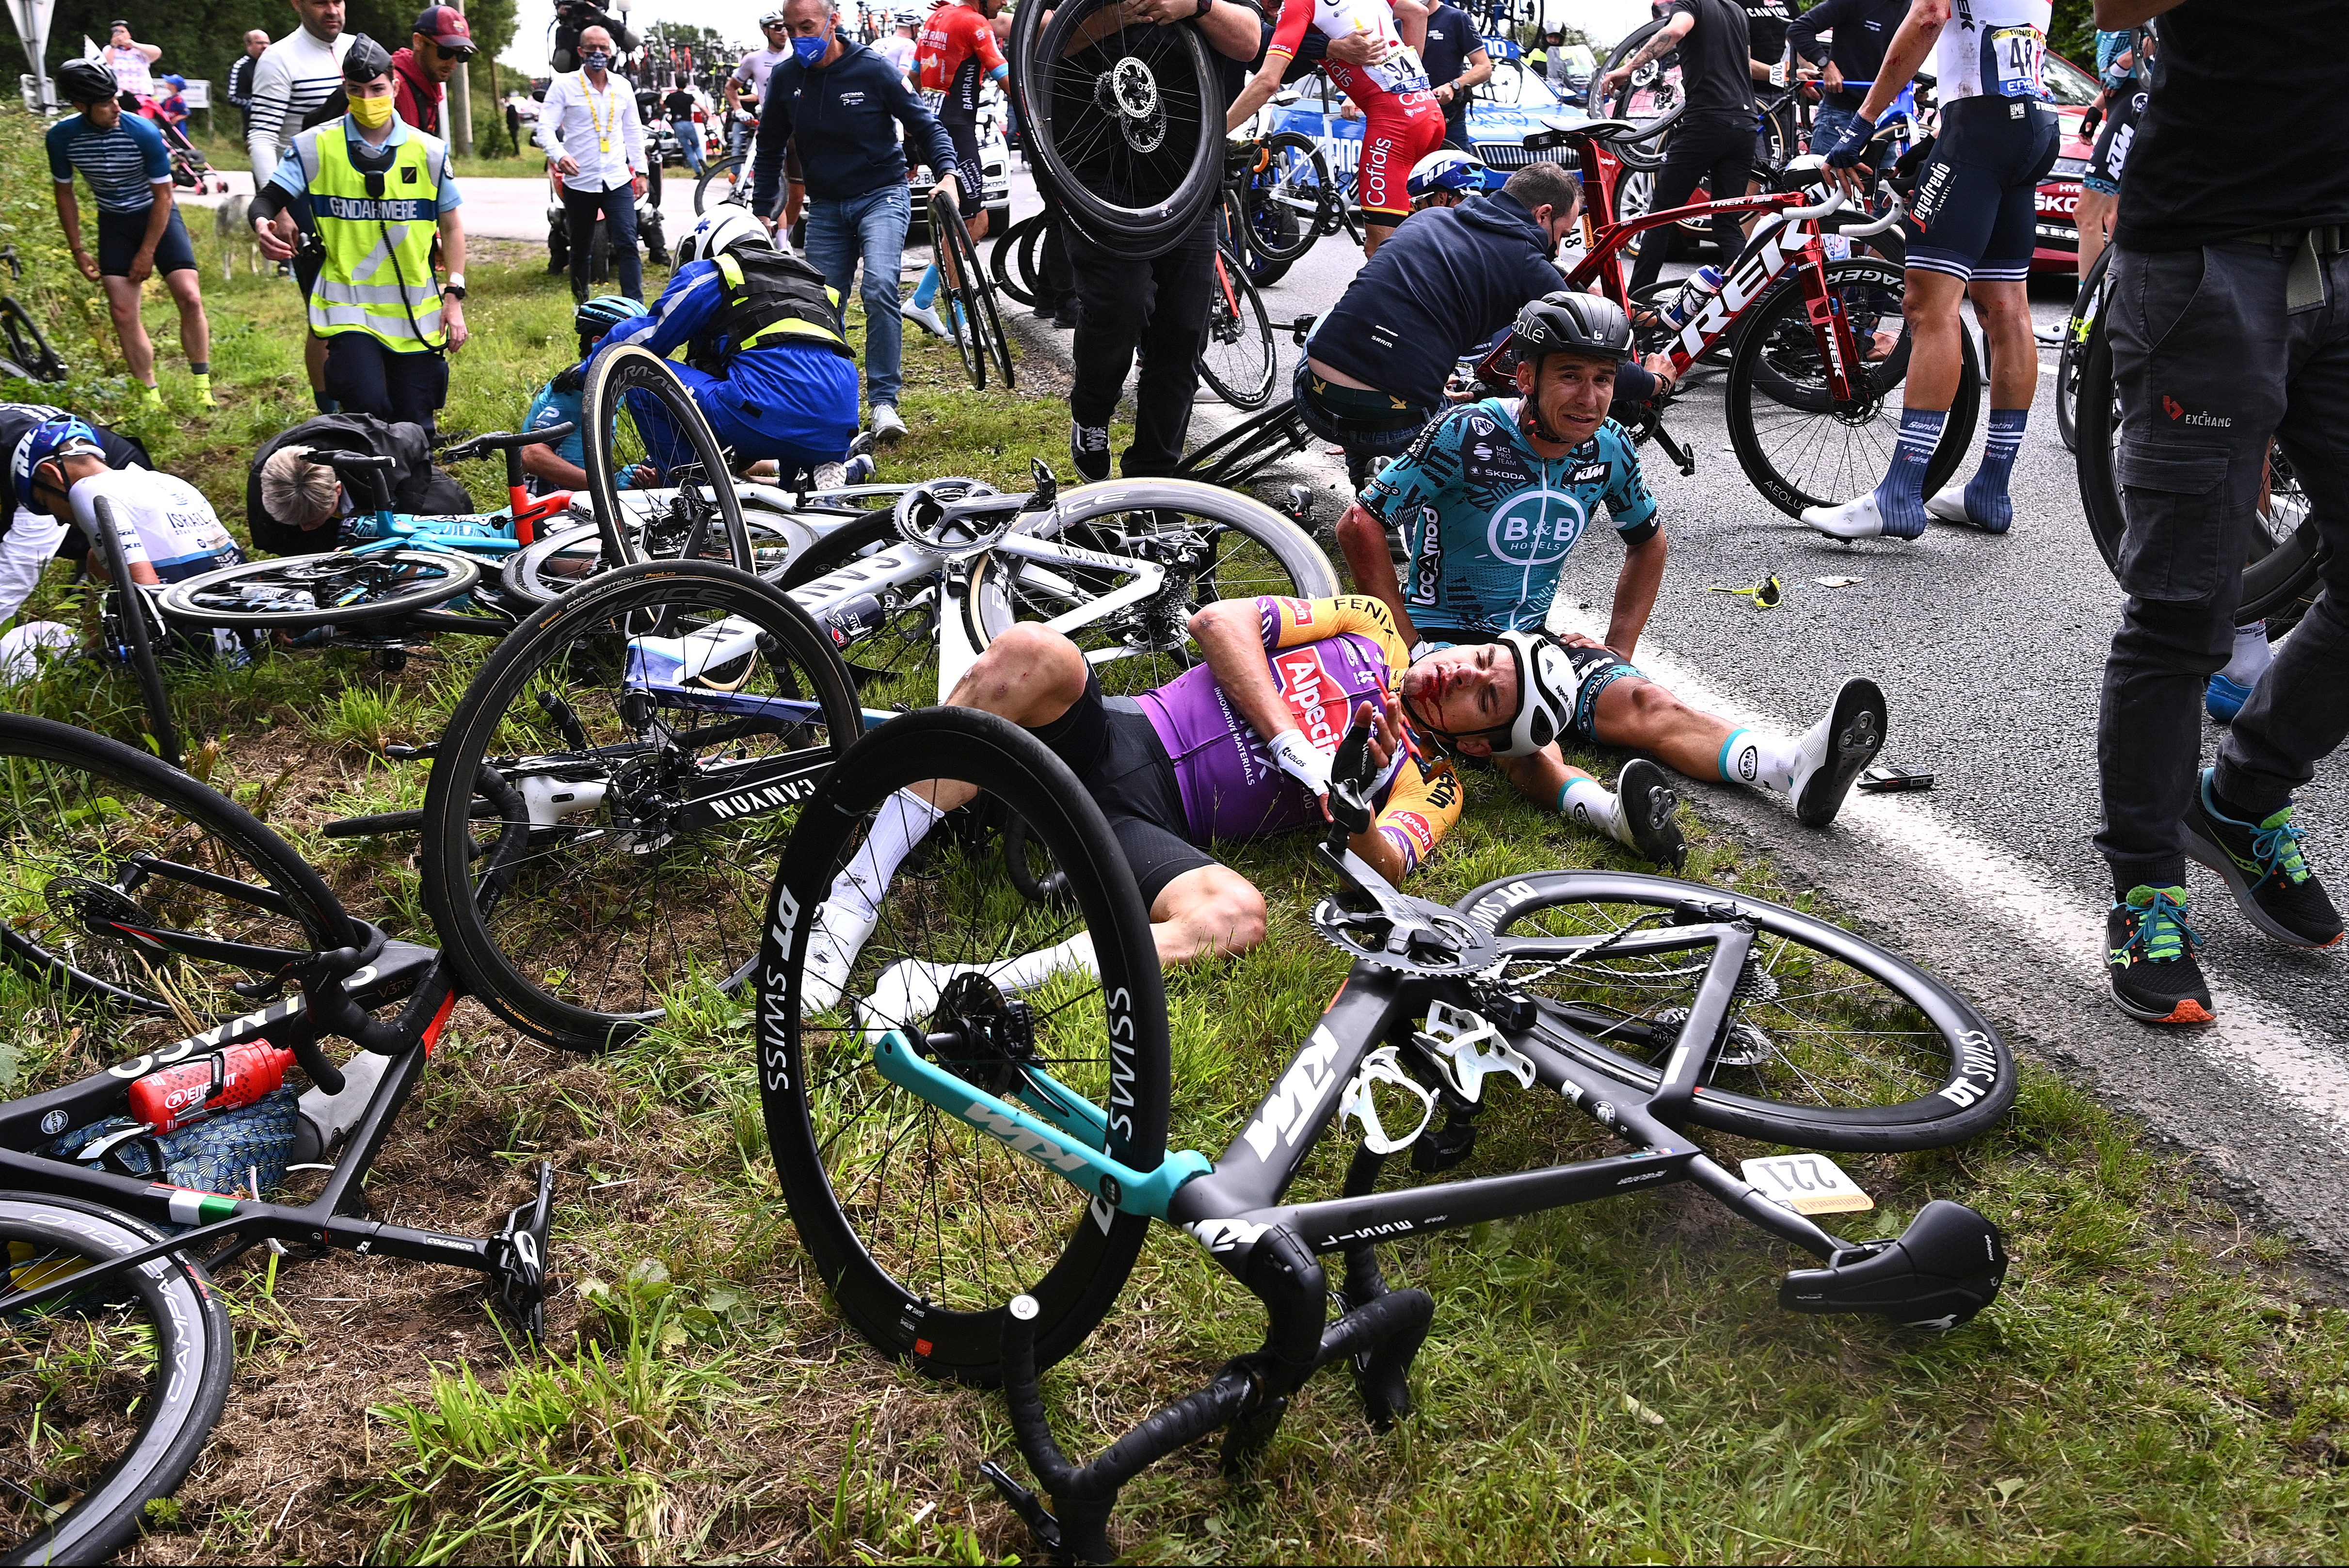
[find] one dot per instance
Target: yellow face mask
(371, 113)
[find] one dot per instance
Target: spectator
(386, 339)
(1861, 30)
(438, 45)
(138, 229)
(240, 75)
(841, 100)
(589, 128)
(1714, 143)
(681, 108)
(756, 67)
(132, 63)
(1457, 63)
(294, 77)
(171, 102)
(2230, 331)
(30, 539)
(289, 501)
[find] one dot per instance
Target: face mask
(595, 59)
(371, 113)
(809, 50)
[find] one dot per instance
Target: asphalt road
(1990, 652)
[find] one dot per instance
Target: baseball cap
(446, 25)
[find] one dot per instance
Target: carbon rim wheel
(341, 587)
(1652, 98)
(107, 1396)
(1237, 354)
(137, 635)
(1831, 1042)
(923, 1227)
(1009, 260)
(642, 424)
(889, 643)
(29, 346)
(660, 728)
(1286, 202)
(1798, 445)
(720, 183)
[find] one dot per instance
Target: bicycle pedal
(519, 1258)
(1025, 1504)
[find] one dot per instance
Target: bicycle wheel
(99, 840)
(1123, 120)
(1209, 543)
(29, 346)
(136, 634)
(977, 296)
(1800, 446)
(341, 587)
(1831, 1042)
(923, 1227)
(719, 184)
(637, 415)
(2086, 304)
(1652, 97)
(1288, 198)
(1009, 266)
(107, 1396)
(660, 728)
(1237, 354)
(889, 641)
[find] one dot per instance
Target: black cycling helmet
(84, 81)
(1563, 322)
(365, 61)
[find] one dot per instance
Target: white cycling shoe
(906, 996)
(1860, 519)
(1836, 751)
(837, 937)
(1949, 506)
(926, 317)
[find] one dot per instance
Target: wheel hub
(1129, 90)
(994, 1035)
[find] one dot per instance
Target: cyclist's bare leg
(1373, 236)
(137, 351)
(2094, 218)
(1645, 717)
(2004, 309)
(195, 332)
(1936, 354)
(1028, 675)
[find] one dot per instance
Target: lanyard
(603, 132)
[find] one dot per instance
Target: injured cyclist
(1491, 499)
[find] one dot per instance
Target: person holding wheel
(138, 229)
(957, 48)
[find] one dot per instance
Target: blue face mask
(809, 50)
(595, 59)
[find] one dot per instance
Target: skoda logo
(1536, 527)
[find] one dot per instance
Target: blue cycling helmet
(1446, 169)
(51, 437)
(606, 311)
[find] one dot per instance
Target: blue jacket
(1862, 29)
(839, 115)
(1443, 282)
(691, 309)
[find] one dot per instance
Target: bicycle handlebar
(1898, 211)
(338, 460)
(505, 441)
(1836, 203)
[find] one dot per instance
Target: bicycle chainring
(1442, 943)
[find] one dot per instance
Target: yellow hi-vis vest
(377, 231)
(774, 297)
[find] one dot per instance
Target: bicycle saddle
(1556, 133)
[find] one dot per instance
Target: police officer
(379, 193)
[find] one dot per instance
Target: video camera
(573, 17)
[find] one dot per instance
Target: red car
(2058, 248)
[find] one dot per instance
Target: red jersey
(956, 45)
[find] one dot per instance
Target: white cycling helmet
(1446, 169)
(725, 227)
(1548, 685)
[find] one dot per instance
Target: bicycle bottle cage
(1464, 1049)
(1384, 1066)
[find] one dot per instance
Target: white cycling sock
(1029, 971)
(1590, 805)
(904, 820)
(1759, 758)
(2252, 655)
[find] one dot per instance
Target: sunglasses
(1766, 594)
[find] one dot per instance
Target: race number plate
(1807, 1184)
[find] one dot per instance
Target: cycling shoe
(1648, 806)
(1837, 750)
(1860, 519)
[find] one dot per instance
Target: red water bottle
(170, 1099)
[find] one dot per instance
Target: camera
(573, 17)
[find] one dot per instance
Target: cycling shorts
(2104, 171)
(1398, 130)
(120, 235)
(1595, 669)
(1976, 212)
(1108, 743)
(969, 177)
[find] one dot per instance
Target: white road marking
(2249, 1039)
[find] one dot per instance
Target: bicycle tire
(994, 341)
(633, 370)
(1243, 379)
(1955, 1081)
(1780, 328)
(396, 584)
(132, 613)
(78, 808)
(2086, 305)
(1072, 1256)
(29, 346)
(1279, 228)
(1236, 457)
(168, 1303)
(1004, 260)
(1595, 104)
(1159, 83)
(631, 865)
(717, 185)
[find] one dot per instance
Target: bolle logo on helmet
(1525, 530)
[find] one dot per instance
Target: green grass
(2158, 1383)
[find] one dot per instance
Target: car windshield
(1514, 87)
(2068, 84)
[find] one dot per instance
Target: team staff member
(378, 191)
(1861, 30)
(589, 128)
(240, 75)
(438, 46)
(1970, 232)
(842, 106)
(679, 108)
(138, 229)
(1457, 64)
(1714, 143)
(2229, 323)
(955, 50)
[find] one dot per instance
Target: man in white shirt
(900, 47)
(589, 128)
(756, 67)
(294, 76)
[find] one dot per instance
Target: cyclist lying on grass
(1491, 499)
(1237, 747)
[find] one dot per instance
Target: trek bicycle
(967, 297)
(974, 1145)
(209, 964)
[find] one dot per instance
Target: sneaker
(858, 470)
(1650, 814)
(2225, 698)
(2265, 868)
(830, 476)
(2149, 959)
(1858, 519)
(887, 428)
(926, 317)
(834, 940)
(1089, 449)
(1837, 750)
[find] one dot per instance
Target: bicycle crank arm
(1682, 457)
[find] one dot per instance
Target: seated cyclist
(1445, 178)
(1491, 499)
(30, 540)
(290, 498)
(1235, 748)
(766, 360)
(559, 464)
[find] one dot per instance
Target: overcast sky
(1605, 19)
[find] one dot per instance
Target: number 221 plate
(1807, 1184)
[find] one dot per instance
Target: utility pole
(461, 105)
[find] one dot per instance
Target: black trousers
(1717, 152)
(618, 207)
(1157, 308)
(2212, 365)
(367, 378)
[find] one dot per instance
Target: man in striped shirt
(296, 75)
